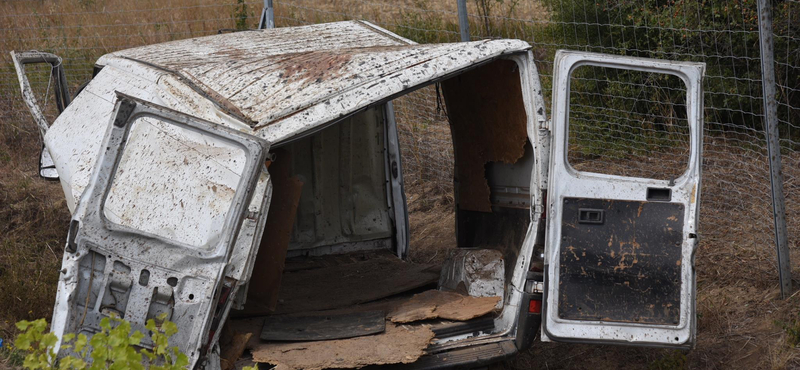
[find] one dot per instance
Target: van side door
(620, 247)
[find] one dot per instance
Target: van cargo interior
(333, 262)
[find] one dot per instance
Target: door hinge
(544, 125)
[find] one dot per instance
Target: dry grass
(740, 314)
(34, 223)
(388, 12)
(737, 284)
(738, 307)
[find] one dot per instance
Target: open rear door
(153, 231)
(621, 233)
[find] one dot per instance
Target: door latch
(590, 216)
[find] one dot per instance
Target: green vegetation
(114, 347)
(792, 329)
(724, 35)
(673, 360)
(240, 15)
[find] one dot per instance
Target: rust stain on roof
(315, 65)
(308, 74)
(220, 100)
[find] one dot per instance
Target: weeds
(674, 360)
(792, 329)
(240, 15)
(115, 346)
(11, 357)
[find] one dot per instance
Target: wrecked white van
(252, 183)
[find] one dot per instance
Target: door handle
(591, 216)
(659, 194)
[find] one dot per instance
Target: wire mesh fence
(624, 114)
(642, 122)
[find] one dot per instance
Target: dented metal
(120, 265)
(656, 304)
(161, 159)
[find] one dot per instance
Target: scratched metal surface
(304, 76)
(283, 81)
(624, 268)
(566, 182)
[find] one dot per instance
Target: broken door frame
(396, 187)
(196, 271)
(61, 90)
(20, 59)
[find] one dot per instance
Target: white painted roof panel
(271, 76)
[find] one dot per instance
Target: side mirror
(47, 168)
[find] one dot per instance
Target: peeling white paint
(175, 192)
(566, 182)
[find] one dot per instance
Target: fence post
(773, 144)
(267, 16)
(463, 20)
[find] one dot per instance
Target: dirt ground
(740, 315)
(741, 318)
(742, 323)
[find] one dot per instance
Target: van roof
(290, 80)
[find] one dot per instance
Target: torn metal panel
(489, 124)
(140, 270)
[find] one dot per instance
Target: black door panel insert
(620, 261)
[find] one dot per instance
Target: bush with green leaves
(114, 347)
(723, 34)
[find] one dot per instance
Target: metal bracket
(267, 16)
(532, 287)
(62, 94)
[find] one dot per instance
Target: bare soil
(740, 316)
(740, 313)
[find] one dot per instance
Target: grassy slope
(34, 223)
(737, 304)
